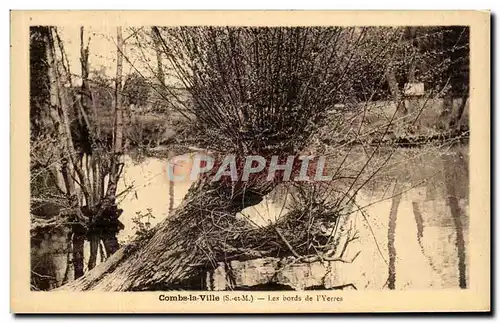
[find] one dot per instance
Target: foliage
(136, 90)
(142, 223)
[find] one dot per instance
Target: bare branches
(250, 84)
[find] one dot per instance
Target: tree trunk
(455, 120)
(394, 88)
(413, 105)
(118, 127)
(78, 242)
(161, 79)
(94, 248)
(161, 73)
(111, 244)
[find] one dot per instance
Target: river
(412, 222)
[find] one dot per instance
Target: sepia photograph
(275, 159)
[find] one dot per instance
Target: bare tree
(81, 159)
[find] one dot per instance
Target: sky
(102, 47)
(102, 50)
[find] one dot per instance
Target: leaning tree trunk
(191, 238)
(203, 232)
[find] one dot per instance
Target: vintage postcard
(250, 161)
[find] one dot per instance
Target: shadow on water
(454, 181)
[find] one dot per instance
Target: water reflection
(412, 218)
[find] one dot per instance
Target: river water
(412, 222)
